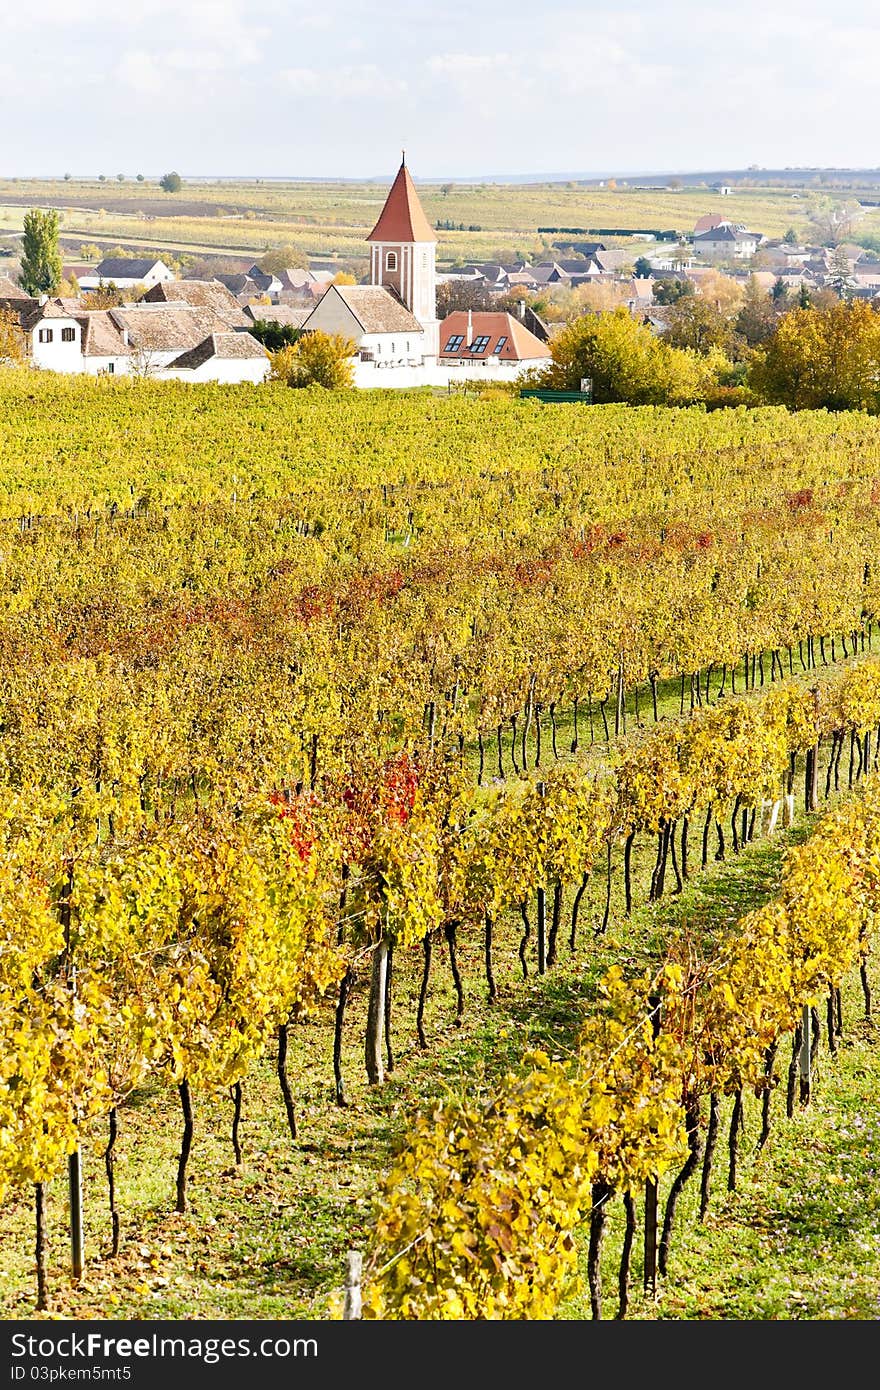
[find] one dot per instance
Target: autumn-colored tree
(721, 290)
(11, 339)
(316, 359)
(625, 361)
(278, 258)
(822, 358)
(343, 277)
(697, 324)
(757, 317)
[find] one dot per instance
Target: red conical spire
(402, 219)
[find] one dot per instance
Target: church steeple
(402, 252)
(402, 218)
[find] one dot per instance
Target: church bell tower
(403, 255)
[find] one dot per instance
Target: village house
(471, 337)
(201, 294)
(127, 273)
(727, 243)
(164, 340)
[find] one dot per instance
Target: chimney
(470, 329)
(521, 308)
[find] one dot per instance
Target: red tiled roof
(402, 218)
(708, 222)
(521, 345)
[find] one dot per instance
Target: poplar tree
(41, 258)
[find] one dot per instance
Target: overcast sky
(285, 88)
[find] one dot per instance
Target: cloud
(139, 72)
(345, 83)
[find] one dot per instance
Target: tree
(779, 292)
(107, 296)
(316, 359)
(89, 251)
(343, 277)
(279, 258)
(67, 178)
(625, 361)
(642, 268)
(275, 336)
(791, 237)
(454, 295)
(721, 290)
(804, 299)
(669, 290)
(11, 340)
(171, 183)
(102, 178)
(120, 178)
(840, 275)
(822, 359)
(696, 324)
(41, 256)
(833, 221)
(757, 317)
(446, 189)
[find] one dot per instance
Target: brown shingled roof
(10, 290)
(166, 327)
(402, 218)
(101, 337)
(221, 345)
(203, 294)
(376, 309)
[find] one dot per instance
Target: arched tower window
(391, 260)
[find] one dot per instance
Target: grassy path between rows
(800, 1238)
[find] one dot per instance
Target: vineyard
(446, 828)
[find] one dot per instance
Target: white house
(382, 327)
(126, 273)
(188, 342)
(727, 243)
(229, 357)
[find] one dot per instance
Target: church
(393, 320)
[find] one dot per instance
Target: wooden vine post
(74, 1159)
(804, 1056)
(652, 1193)
(354, 1262)
(542, 908)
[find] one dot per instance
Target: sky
(280, 88)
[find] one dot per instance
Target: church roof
(402, 218)
(377, 309)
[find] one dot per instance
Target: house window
(68, 335)
(111, 367)
(480, 344)
(454, 343)
(46, 335)
(499, 346)
(391, 260)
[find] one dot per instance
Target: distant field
(332, 219)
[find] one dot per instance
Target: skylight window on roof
(480, 344)
(454, 343)
(501, 344)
